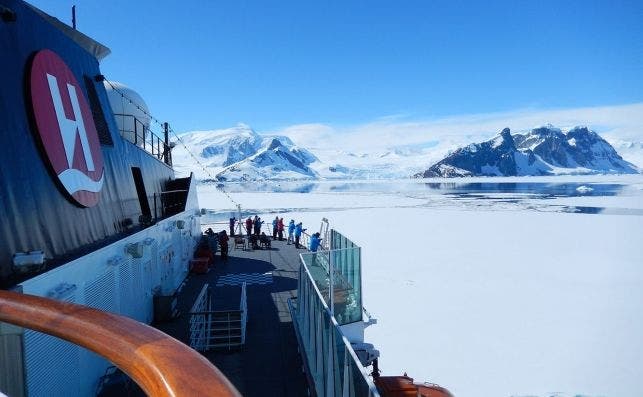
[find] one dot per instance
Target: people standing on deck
(315, 242)
(232, 221)
(258, 223)
(291, 230)
(275, 222)
(298, 230)
(249, 226)
(223, 243)
(280, 229)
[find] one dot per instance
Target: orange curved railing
(160, 364)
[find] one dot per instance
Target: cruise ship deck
(268, 364)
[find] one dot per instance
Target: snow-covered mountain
(239, 153)
(542, 151)
(370, 164)
(630, 150)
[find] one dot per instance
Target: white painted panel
(48, 360)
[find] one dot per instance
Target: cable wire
(157, 121)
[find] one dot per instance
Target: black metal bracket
(7, 14)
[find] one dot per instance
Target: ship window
(104, 137)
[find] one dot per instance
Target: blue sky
(211, 64)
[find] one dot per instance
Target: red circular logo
(66, 128)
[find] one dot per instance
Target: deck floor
(269, 364)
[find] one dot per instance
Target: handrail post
(331, 270)
(166, 130)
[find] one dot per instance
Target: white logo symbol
(73, 179)
(69, 128)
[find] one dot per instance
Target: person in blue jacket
(298, 230)
(291, 231)
(315, 242)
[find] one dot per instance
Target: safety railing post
(166, 146)
(135, 131)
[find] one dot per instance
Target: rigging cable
(157, 121)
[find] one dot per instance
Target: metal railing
(169, 202)
(135, 131)
(210, 329)
(160, 364)
(331, 363)
(244, 313)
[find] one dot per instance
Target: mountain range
(542, 151)
(241, 154)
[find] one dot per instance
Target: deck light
(134, 249)
(7, 14)
(115, 260)
(26, 262)
(61, 290)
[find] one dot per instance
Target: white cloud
(622, 122)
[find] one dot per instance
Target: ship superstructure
(90, 210)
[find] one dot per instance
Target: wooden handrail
(160, 364)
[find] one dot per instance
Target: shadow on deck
(269, 363)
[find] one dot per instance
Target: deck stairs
(217, 329)
(226, 330)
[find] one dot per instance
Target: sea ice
(492, 295)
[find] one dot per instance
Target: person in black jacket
(258, 223)
(223, 243)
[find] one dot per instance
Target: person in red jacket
(280, 229)
(249, 226)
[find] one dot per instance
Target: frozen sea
(488, 286)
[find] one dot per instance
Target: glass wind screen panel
(339, 241)
(318, 264)
(340, 361)
(347, 286)
(347, 294)
(333, 369)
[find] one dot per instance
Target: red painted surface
(49, 130)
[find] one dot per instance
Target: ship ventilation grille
(100, 294)
(52, 364)
(131, 290)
